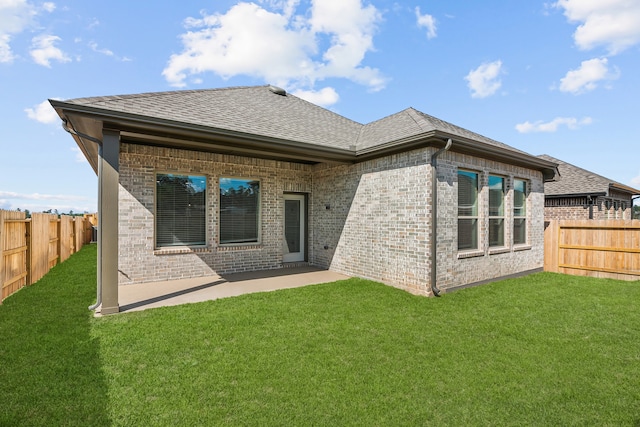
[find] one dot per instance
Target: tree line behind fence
(30, 247)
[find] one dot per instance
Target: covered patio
(144, 296)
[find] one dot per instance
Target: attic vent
(277, 90)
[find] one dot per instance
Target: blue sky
(560, 77)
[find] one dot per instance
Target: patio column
(108, 184)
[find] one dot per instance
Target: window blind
(467, 210)
(180, 210)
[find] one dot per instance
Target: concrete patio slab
(175, 292)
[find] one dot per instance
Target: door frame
(304, 216)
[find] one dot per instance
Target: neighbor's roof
(574, 181)
(267, 122)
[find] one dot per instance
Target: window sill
(523, 247)
(470, 254)
(177, 250)
(498, 250)
(238, 247)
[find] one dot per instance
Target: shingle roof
(251, 110)
(257, 110)
(575, 180)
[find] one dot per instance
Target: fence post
(27, 232)
(1, 255)
(551, 246)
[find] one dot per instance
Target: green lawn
(542, 350)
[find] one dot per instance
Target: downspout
(65, 126)
(434, 215)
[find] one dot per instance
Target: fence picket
(29, 248)
(604, 248)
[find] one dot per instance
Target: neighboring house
(577, 193)
(203, 182)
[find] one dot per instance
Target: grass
(542, 350)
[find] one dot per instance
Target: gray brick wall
(617, 205)
(370, 219)
(458, 268)
(380, 227)
(139, 260)
(378, 224)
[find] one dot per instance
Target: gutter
(464, 146)
(73, 132)
(134, 125)
(434, 216)
(141, 127)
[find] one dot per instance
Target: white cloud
(570, 122)
(287, 6)
(15, 17)
(6, 55)
(614, 24)
(48, 6)
(38, 196)
(587, 76)
(485, 80)
(36, 202)
(427, 21)
(43, 113)
(635, 182)
(79, 156)
(329, 40)
(44, 50)
(324, 97)
(94, 47)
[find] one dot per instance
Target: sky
(547, 77)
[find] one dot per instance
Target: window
(496, 211)
(239, 210)
(467, 210)
(519, 212)
(180, 210)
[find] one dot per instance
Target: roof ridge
(143, 95)
(419, 117)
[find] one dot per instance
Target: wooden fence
(29, 248)
(607, 248)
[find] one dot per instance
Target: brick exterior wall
(140, 261)
(457, 268)
(380, 227)
(371, 219)
(378, 223)
(617, 205)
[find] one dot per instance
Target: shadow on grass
(50, 370)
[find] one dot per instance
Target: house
(577, 194)
(205, 182)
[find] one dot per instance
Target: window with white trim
(180, 210)
(519, 212)
(467, 210)
(239, 211)
(496, 211)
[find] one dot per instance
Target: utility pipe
(434, 215)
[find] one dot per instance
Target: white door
(294, 228)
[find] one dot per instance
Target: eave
(144, 130)
(139, 129)
(461, 145)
